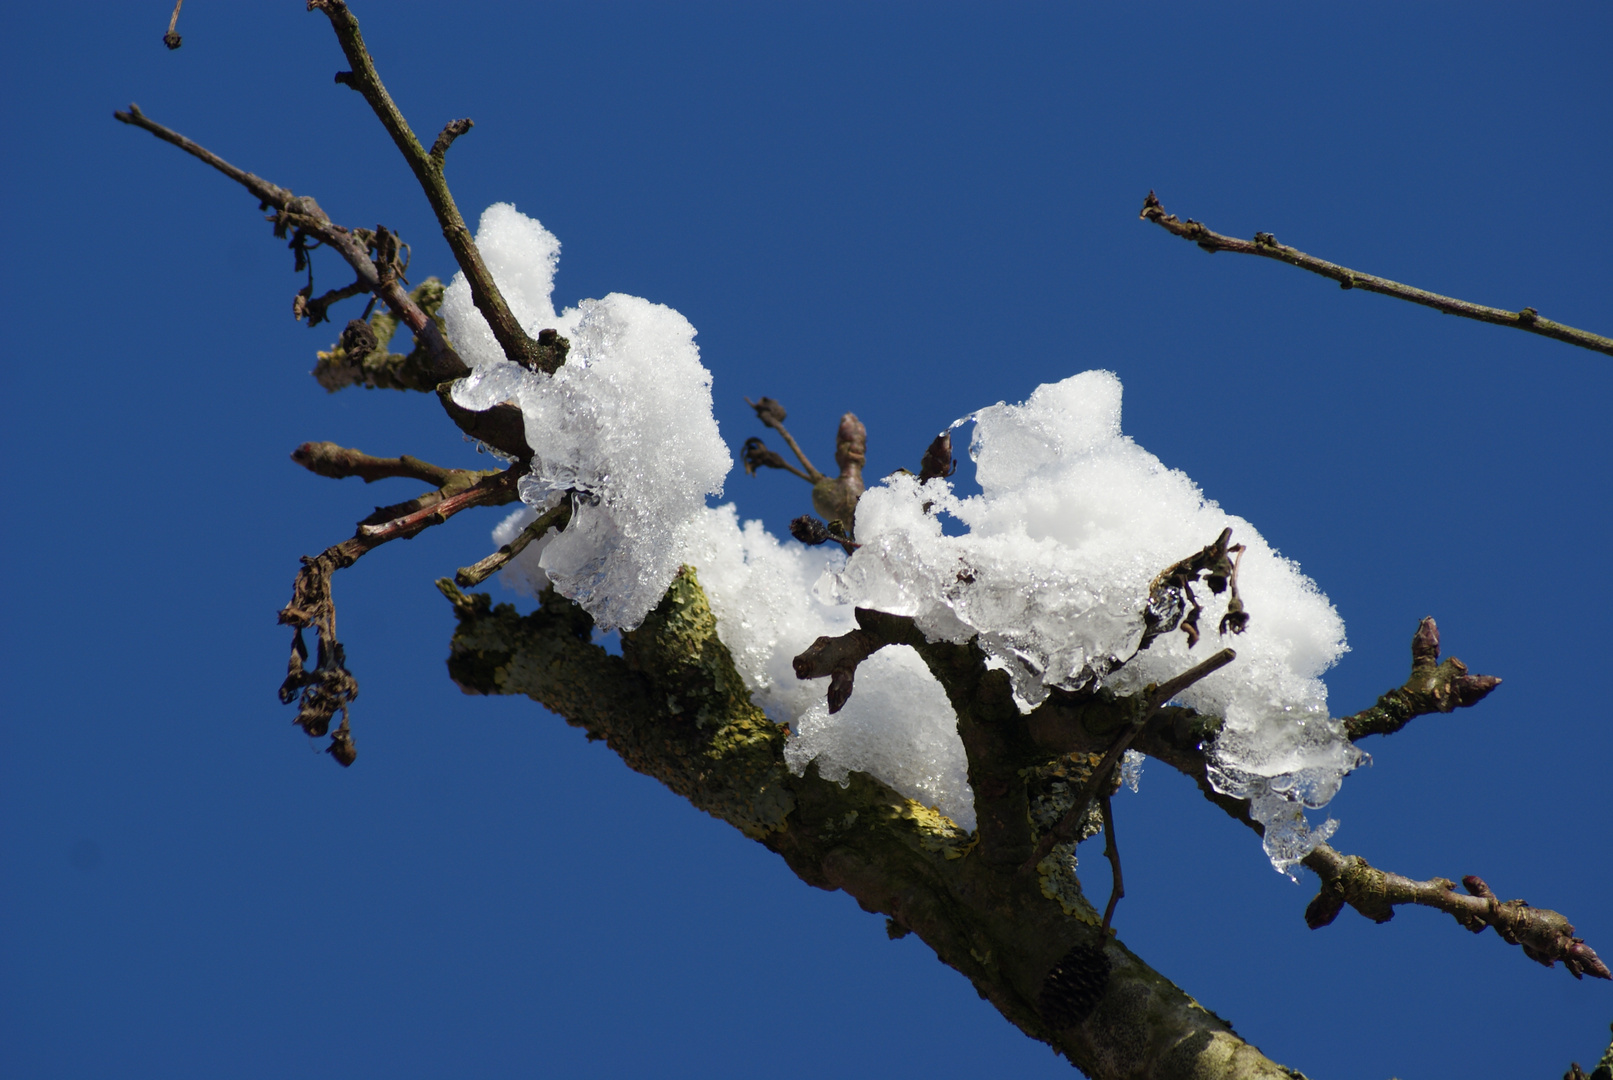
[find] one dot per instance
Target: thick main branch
(674, 708)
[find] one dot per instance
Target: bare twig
(1433, 686)
(1070, 826)
(1545, 936)
(337, 462)
(172, 38)
(303, 213)
(1266, 246)
(445, 138)
(428, 171)
(1111, 851)
(772, 414)
(329, 687)
(557, 518)
(1177, 737)
(757, 455)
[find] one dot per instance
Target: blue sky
(906, 210)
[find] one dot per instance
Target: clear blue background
(905, 210)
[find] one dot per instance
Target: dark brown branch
(557, 518)
(427, 169)
(329, 687)
(1545, 936)
(1266, 246)
(302, 212)
(1069, 828)
(1111, 851)
(838, 657)
(316, 310)
(172, 38)
(338, 462)
(445, 138)
(757, 455)
(1177, 737)
(1433, 686)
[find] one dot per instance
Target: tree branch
(673, 707)
(428, 171)
(330, 687)
(1545, 936)
(1432, 687)
(303, 213)
(1177, 736)
(772, 414)
(339, 462)
(557, 518)
(1266, 246)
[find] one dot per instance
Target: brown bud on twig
(836, 499)
(809, 530)
(755, 455)
(938, 460)
(357, 340)
(768, 411)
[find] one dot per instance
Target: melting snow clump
(626, 423)
(1072, 526)
(1073, 523)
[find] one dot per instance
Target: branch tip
(1266, 245)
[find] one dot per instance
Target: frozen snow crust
(1073, 523)
(626, 421)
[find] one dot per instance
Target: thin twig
(556, 518)
(427, 169)
(1111, 851)
(1069, 827)
(496, 489)
(172, 38)
(772, 414)
(302, 212)
(339, 462)
(1266, 246)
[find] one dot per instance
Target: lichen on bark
(673, 707)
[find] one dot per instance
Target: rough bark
(674, 708)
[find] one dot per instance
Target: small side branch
(558, 518)
(1434, 686)
(445, 138)
(1545, 936)
(303, 214)
(1111, 851)
(338, 462)
(1069, 828)
(838, 657)
(1266, 246)
(428, 171)
(328, 688)
(772, 414)
(1177, 737)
